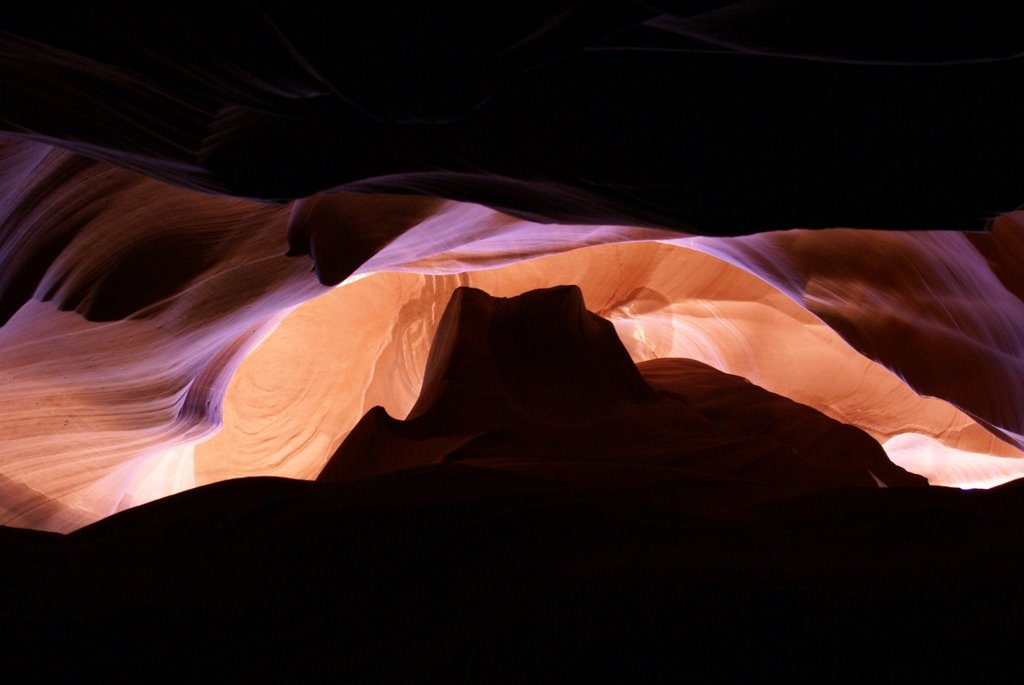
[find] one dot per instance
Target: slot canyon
(637, 341)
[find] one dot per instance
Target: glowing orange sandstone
(129, 304)
(295, 398)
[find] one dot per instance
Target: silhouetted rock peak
(541, 351)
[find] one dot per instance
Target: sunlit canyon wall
(157, 338)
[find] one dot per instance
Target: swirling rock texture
(562, 339)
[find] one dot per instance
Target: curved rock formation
(228, 282)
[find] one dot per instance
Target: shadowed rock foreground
(512, 555)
